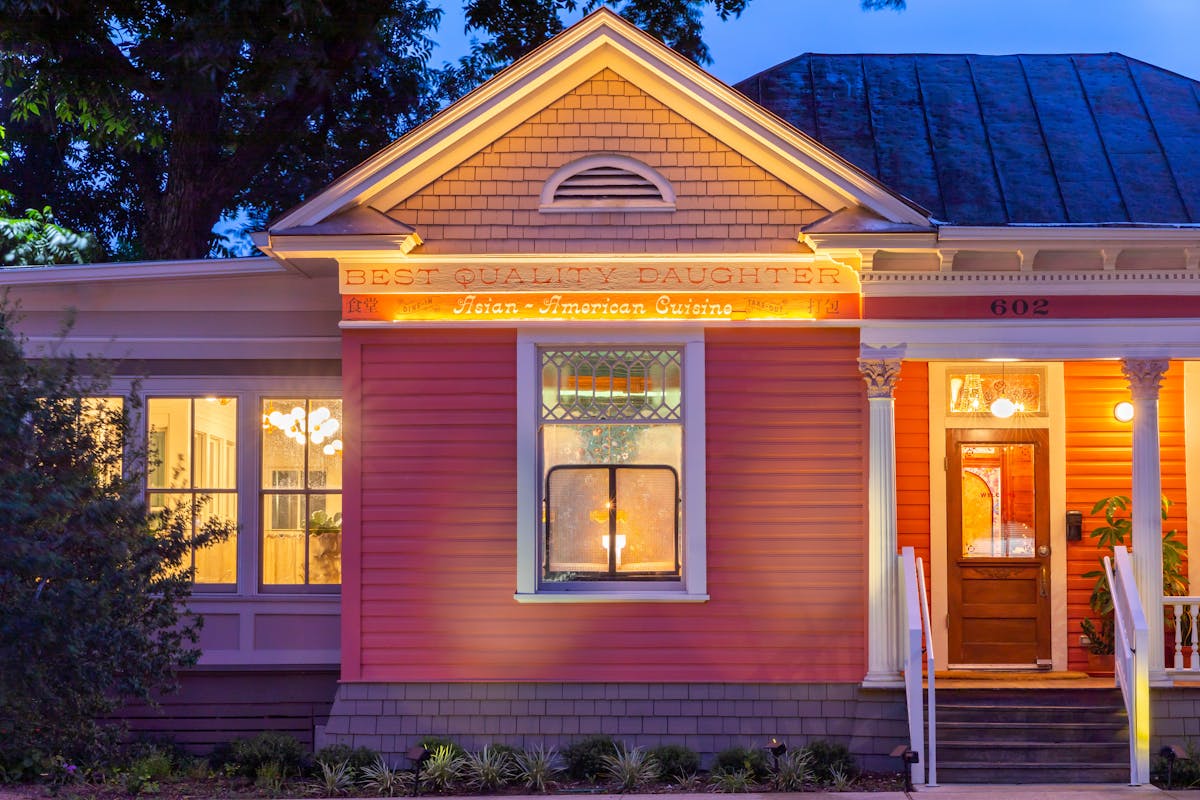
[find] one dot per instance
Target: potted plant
(1117, 527)
(326, 533)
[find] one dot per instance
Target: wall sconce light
(1074, 526)
(1123, 411)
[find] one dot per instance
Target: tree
(92, 582)
(161, 115)
(36, 238)
(148, 123)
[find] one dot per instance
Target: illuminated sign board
(818, 289)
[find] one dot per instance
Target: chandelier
(318, 426)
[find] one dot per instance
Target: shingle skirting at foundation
(1174, 716)
(707, 717)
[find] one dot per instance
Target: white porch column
(880, 367)
(1145, 376)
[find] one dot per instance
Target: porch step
(1044, 735)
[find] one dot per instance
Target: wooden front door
(998, 548)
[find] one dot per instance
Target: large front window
(301, 485)
(612, 429)
(194, 454)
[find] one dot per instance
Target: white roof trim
(1047, 340)
(1053, 283)
(140, 270)
(602, 39)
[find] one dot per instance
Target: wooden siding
(1099, 465)
(912, 459)
(436, 566)
(724, 202)
(215, 707)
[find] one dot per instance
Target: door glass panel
(997, 500)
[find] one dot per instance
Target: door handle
(1043, 550)
(1045, 592)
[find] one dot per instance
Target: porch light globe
(1003, 408)
(1123, 411)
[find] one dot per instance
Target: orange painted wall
(912, 459)
(428, 592)
(1098, 465)
(725, 203)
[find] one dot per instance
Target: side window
(301, 489)
(611, 443)
(193, 444)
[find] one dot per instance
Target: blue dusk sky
(1162, 32)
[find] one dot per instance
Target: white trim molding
(602, 40)
(693, 585)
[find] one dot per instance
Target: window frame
(250, 391)
(692, 584)
(303, 491)
(192, 490)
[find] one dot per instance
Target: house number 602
(1037, 307)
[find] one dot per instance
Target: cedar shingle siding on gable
(994, 140)
(725, 203)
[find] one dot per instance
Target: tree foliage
(92, 581)
(35, 237)
(149, 122)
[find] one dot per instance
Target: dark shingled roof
(994, 140)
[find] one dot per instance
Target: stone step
(1005, 731)
(1032, 736)
(987, 772)
(1061, 753)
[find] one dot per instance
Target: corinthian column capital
(1144, 375)
(880, 367)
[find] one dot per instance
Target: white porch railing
(1184, 658)
(916, 620)
(1131, 660)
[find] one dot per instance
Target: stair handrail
(1131, 659)
(931, 669)
(912, 661)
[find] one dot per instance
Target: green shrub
(283, 750)
(537, 768)
(443, 768)
(152, 766)
(488, 770)
(750, 760)
(357, 758)
(735, 781)
(676, 760)
(336, 778)
(631, 769)
(585, 758)
(382, 779)
(792, 771)
(506, 749)
(828, 757)
(432, 743)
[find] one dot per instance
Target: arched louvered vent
(615, 183)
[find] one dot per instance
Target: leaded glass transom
(612, 384)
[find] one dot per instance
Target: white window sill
(609, 597)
